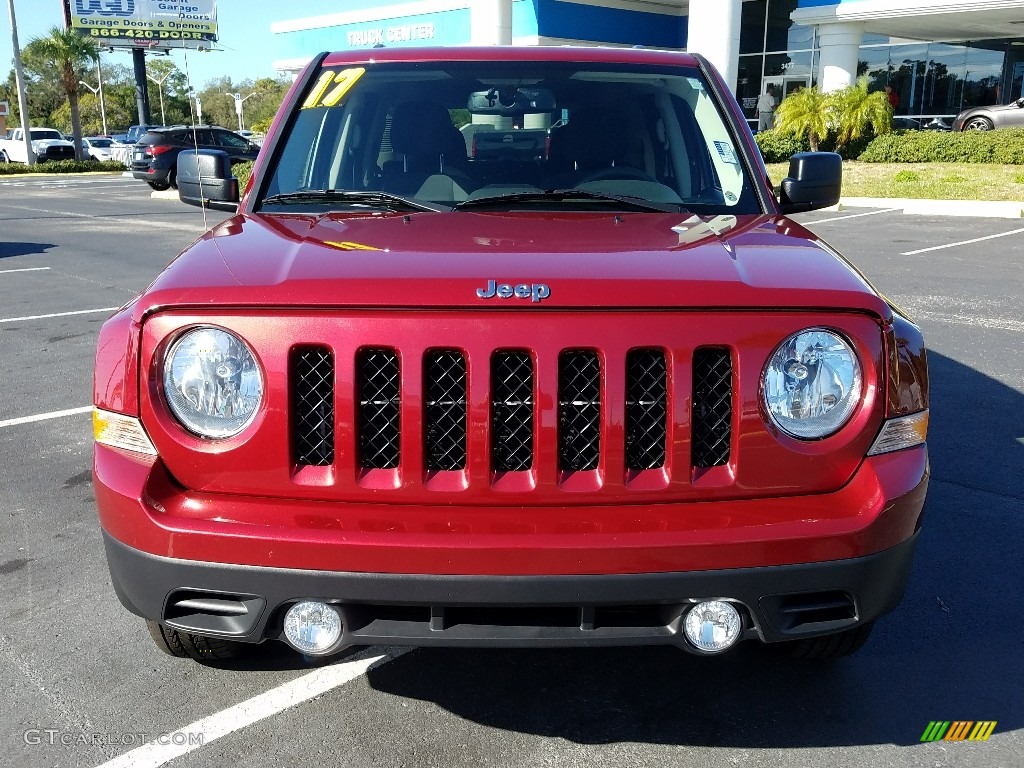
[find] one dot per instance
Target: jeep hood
(439, 260)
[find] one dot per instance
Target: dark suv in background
(155, 157)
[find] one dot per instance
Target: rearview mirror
(205, 178)
(509, 100)
(815, 181)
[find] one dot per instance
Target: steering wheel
(624, 173)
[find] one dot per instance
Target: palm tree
(805, 112)
(857, 110)
(72, 55)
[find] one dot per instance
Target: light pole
(239, 101)
(160, 87)
(99, 90)
(26, 133)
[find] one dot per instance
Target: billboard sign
(145, 23)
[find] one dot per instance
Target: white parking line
(851, 216)
(108, 220)
(962, 242)
(57, 314)
(25, 269)
(44, 416)
(232, 719)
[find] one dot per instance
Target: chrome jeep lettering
(535, 292)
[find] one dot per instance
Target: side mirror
(205, 178)
(815, 181)
(1020, 102)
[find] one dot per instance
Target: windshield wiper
(568, 195)
(375, 198)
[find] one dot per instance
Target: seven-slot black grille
(313, 405)
(579, 410)
(646, 409)
(511, 411)
(444, 427)
(378, 391)
(712, 406)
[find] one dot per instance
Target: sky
(249, 48)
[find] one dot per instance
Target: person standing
(766, 104)
(892, 96)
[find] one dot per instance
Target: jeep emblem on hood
(535, 292)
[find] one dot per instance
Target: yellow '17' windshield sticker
(342, 82)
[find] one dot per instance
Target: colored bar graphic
(958, 730)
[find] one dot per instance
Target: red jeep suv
(603, 394)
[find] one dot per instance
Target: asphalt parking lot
(87, 687)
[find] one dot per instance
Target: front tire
(182, 644)
(830, 646)
(978, 124)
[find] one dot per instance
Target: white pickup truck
(47, 143)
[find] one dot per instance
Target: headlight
(212, 382)
(812, 384)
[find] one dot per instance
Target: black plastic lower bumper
(247, 603)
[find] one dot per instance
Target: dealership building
(939, 56)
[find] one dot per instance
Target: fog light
(312, 628)
(712, 626)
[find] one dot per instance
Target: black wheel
(978, 124)
(830, 646)
(167, 640)
(159, 186)
(182, 644)
(3, 157)
(203, 648)
(172, 178)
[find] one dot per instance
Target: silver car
(97, 147)
(986, 118)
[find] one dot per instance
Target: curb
(994, 209)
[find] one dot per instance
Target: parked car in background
(986, 118)
(136, 132)
(97, 147)
(156, 153)
(47, 144)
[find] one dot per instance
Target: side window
(228, 139)
(204, 137)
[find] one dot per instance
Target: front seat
(432, 154)
(594, 139)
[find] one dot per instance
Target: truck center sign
(145, 23)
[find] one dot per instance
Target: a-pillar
(490, 22)
(840, 47)
(713, 30)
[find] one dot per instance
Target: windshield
(101, 143)
(37, 135)
(446, 133)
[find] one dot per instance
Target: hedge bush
(61, 166)
(779, 147)
(1004, 147)
(242, 172)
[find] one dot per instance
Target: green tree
(857, 111)
(805, 113)
(73, 55)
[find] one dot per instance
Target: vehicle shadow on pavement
(8, 250)
(954, 649)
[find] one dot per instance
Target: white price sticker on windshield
(726, 153)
